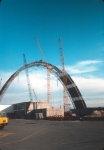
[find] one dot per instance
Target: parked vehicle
(3, 119)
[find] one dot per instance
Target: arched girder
(71, 87)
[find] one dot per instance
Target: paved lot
(22, 134)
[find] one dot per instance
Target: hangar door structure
(72, 90)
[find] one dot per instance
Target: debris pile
(98, 113)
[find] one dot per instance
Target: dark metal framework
(71, 88)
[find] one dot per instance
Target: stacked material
(98, 113)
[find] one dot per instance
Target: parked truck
(3, 119)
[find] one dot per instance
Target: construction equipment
(65, 96)
(48, 71)
(0, 81)
(3, 119)
(36, 99)
(27, 77)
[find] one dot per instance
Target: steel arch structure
(72, 90)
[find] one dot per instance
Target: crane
(36, 99)
(35, 95)
(48, 71)
(0, 81)
(27, 77)
(65, 96)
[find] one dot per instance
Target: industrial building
(43, 110)
(37, 110)
(34, 110)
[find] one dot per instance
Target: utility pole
(64, 78)
(48, 71)
(27, 77)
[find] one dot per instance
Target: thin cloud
(18, 89)
(95, 103)
(92, 90)
(84, 67)
(92, 84)
(91, 87)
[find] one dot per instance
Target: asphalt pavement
(21, 134)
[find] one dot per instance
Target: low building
(36, 110)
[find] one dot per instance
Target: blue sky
(80, 24)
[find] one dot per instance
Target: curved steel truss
(70, 86)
